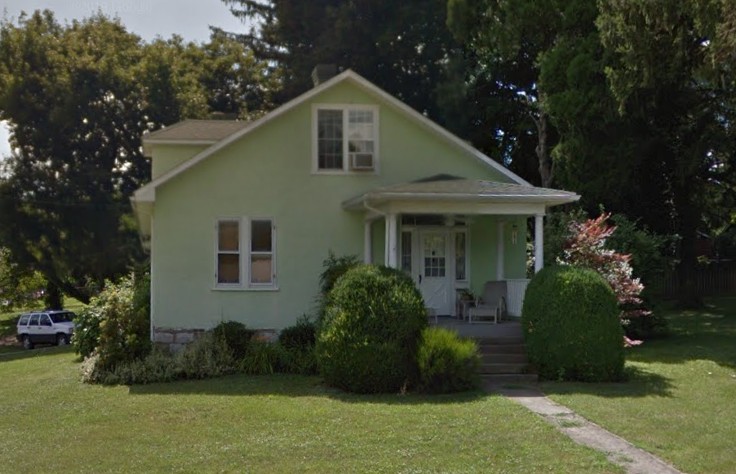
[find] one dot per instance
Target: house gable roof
(147, 192)
(192, 132)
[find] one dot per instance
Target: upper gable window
(346, 138)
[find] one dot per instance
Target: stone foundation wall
(175, 339)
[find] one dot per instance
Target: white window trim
(273, 283)
(345, 155)
(217, 253)
(244, 236)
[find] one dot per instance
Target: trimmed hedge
(571, 325)
(371, 328)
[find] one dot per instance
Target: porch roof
(458, 190)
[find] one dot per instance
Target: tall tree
(77, 98)
(509, 40)
(402, 47)
(666, 70)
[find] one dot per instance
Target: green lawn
(262, 424)
(680, 403)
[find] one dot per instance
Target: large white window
(345, 138)
(245, 255)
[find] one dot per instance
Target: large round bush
(571, 324)
(369, 336)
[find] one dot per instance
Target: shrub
(369, 335)
(333, 268)
(87, 331)
(208, 356)
(262, 358)
(299, 361)
(236, 335)
(124, 326)
(302, 335)
(298, 343)
(158, 366)
(446, 362)
(571, 323)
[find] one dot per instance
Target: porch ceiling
(471, 195)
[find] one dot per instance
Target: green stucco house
(239, 216)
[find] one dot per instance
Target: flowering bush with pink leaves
(586, 247)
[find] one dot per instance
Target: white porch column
(500, 252)
(367, 243)
(538, 242)
(391, 259)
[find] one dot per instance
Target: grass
(263, 424)
(9, 319)
(679, 401)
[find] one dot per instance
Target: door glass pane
(260, 236)
(228, 268)
(460, 256)
(45, 321)
(34, 320)
(228, 239)
(406, 252)
(434, 255)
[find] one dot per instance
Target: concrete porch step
(502, 368)
(499, 341)
(503, 358)
(508, 379)
(502, 349)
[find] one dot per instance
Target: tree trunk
(542, 150)
(54, 298)
(688, 296)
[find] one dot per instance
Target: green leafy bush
(333, 267)
(206, 357)
(262, 358)
(297, 342)
(87, 331)
(302, 335)
(124, 324)
(158, 366)
(570, 319)
(447, 363)
(370, 331)
(236, 336)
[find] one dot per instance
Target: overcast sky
(190, 19)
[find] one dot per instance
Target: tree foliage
(77, 98)
(402, 47)
(665, 69)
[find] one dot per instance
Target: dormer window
(345, 138)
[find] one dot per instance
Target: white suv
(45, 327)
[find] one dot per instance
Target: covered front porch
(452, 235)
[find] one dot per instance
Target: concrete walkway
(618, 450)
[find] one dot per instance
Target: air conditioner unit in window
(361, 161)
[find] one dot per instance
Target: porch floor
(507, 328)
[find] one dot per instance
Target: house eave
(371, 199)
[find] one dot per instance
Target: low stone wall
(175, 339)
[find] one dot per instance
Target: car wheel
(27, 344)
(62, 340)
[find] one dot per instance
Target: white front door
(435, 279)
